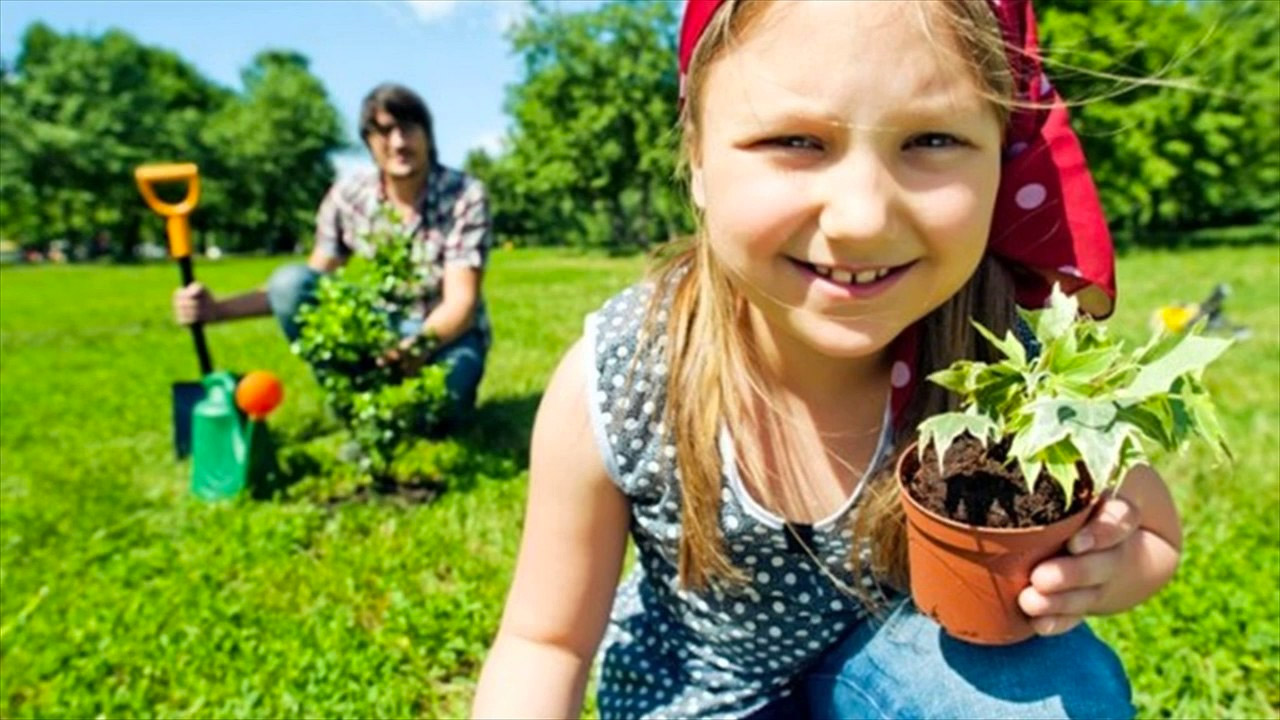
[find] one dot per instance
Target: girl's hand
(1065, 589)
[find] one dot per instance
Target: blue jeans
(907, 667)
(292, 286)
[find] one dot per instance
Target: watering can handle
(179, 230)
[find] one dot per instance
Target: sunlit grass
(122, 595)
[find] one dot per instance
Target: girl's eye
(794, 142)
(934, 140)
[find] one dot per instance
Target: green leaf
(1010, 345)
(1151, 421)
(940, 431)
(1100, 449)
(1056, 318)
(1088, 426)
(1053, 419)
(1060, 460)
(1085, 366)
(1205, 420)
(1030, 469)
(1190, 355)
(958, 378)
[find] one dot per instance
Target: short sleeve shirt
(726, 651)
(452, 228)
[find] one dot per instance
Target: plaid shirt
(452, 228)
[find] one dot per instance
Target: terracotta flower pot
(967, 578)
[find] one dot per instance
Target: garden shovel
(185, 394)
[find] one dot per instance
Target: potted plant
(993, 489)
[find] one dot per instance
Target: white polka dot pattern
(1030, 196)
(726, 651)
(900, 374)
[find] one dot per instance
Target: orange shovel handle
(175, 214)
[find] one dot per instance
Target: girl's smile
(843, 281)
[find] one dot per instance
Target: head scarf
(1048, 224)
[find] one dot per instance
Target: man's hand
(1065, 589)
(194, 303)
(410, 354)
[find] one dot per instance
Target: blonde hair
(712, 357)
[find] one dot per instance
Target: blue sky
(450, 51)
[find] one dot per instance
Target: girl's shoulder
(625, 342)
(627, 334)
(626, 309)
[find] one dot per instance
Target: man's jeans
(292, 286)
(907, 667)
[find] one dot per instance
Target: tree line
(78, 113)
(1177, 103)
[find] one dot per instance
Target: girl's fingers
(1061, 574)
(1072, 602)
(1055, 624)
(1112, 523)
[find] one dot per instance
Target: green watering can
(230, 447)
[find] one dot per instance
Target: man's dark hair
(402, 104)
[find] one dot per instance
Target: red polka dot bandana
(1048, 224)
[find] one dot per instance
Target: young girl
(868, 177)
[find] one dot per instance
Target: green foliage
(122, 596)
(1083, 399)
(1176, 103)
(268, 162)
(351, 324)
(1179, 113)
(79, 112)
(590, 158)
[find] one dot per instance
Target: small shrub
(350, 325)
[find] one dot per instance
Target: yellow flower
(1175, 318)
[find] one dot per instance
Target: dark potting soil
(976, 488)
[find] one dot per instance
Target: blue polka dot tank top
(725, 651)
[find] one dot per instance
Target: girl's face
(847, 169)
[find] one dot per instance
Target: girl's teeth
(847, 277)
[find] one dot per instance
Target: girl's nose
(856, 195)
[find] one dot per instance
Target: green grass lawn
(122, 595)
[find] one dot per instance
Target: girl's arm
(575, 534)
(1127, 552)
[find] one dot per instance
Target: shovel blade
(185, 397)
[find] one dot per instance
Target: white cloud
(428, 11)
(509, 13)
(413, 14)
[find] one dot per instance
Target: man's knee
(288, 289)
(466, 368)
(465, 361)
(290, 286)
